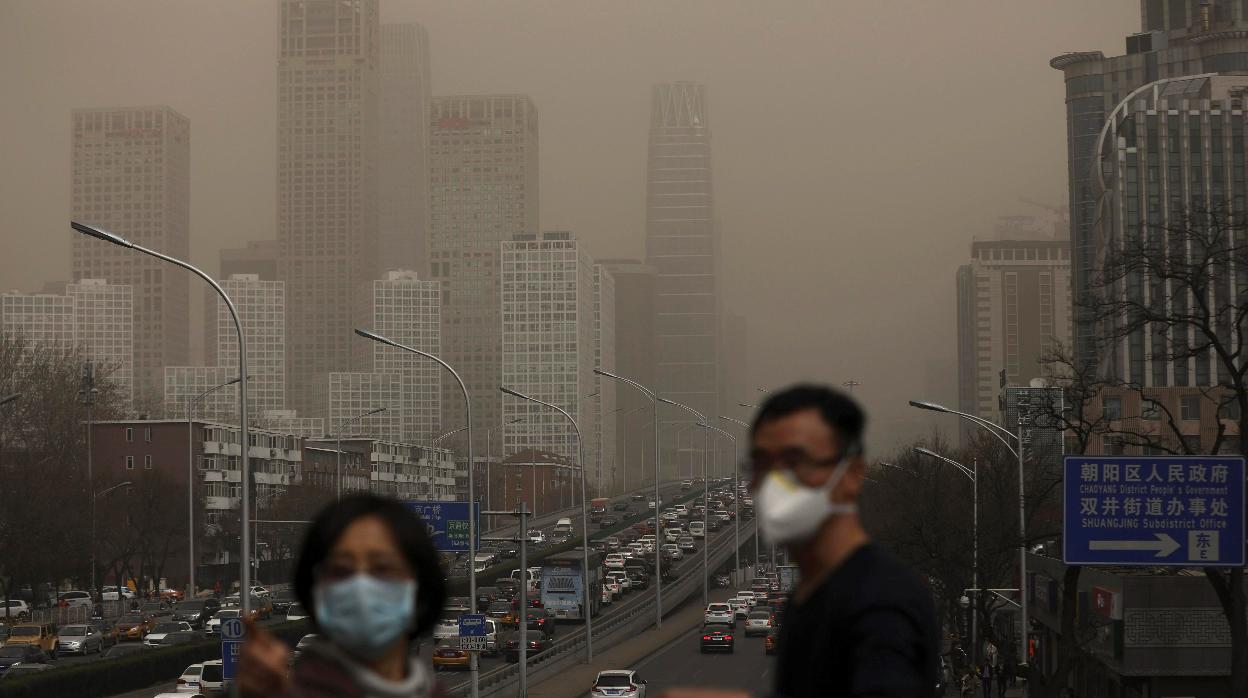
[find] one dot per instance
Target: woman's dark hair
(838, 410)
(410, 533)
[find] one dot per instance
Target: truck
(598, 508)
(563, 527)
(563, 585)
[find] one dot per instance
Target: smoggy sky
(858, 146)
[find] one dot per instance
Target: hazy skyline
(857, 146)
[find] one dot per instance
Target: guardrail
(611, 629)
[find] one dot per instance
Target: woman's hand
(264, 664)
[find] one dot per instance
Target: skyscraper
(403, 175)
(482, 191)
(607, 475)
(634, 358)
(681, 244)
(1178, 38)
(407, 309)
(328, 79)
(131, 175)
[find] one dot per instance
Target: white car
(672, 551)
(16, 609)
(446, 628)
(75, 599)
(158, 633)
(536, 537)
(212, 678)
(740, 605)
(116, 593)
(620, 577)
(720, 613)
(607, 598)
(614, 587)
(613, 561)
(749, 596)
(758, 623)
(618, 683)
(697, 529)
(213, 626)
(722, 515)
(188, 682)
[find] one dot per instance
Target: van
(563, 527)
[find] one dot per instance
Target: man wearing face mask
(859, 622)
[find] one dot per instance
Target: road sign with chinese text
(448, 523)
(1173, 511)
(232, 634)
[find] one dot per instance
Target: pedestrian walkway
(575, 682)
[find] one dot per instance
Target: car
(483, 561)
(172, 595)
(80, 639)
(281, 600)
(197, 611)
(11, 655)
(116, 593)
(15, 609)
(618, 683)
(723, 516)
(607, 598)
(213, 626)
(773, 636)
(614, 587)
(160, 630)
(536, 537)
(619, 506)
(720, 613)
(608, 522)
(714, 524)
(134, 625)
(447, 627)
(717, 637)
(686, 544)
(212, 678)
(75, 599)
(613, 561)
(41, 635)
(697, 529)
(260, 605)
(123, 650)
(448, 655)
(107, 631)
(188, 682)
(637, 497)
(620, 576)
(296, 611)
(740, 605)
(749, 595)
(671, 551)
(485, 597)
(686, 486)
(537, 643)
(19, 670)
(614, 543)
(303, 644)
(758, 623)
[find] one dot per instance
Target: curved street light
(244, 435)
(972, 474)
(736, 493)
(191, 402)
(706, 437)
(338, 450)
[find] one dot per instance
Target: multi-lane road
(682, 663)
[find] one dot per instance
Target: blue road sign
(232, 633)
(1173, 511)
(232, 629)
(472, 625)
(448, 523)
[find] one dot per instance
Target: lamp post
(737, 492)
(588, 607)
(489, 455)
(245, 435)
(95, 496)
(1000, 433)
(87, 393)
(338, 450)
(658, 558)
(438, 439)
(736, 496)
(472, 520)
(971, 473)
(706, 440)
(191, 402)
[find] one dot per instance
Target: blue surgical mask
(364, 615)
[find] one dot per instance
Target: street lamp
(658, 558)
(245, 435)
(998, 432)
(706, 438)
(736, 493)
(580, 442)
(438, 439)
(489, 456)
(973, 474)
(472, 519)
(94, 497)
(191, 402)
(338, 451)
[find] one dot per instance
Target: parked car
(717, 637)
(212, 678)
(15, 609)
(116, 593)
(80, 639)
(160, 630)
(75, 599)
(41, 635)
(188, 682)
(618, 683)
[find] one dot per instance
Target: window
(1113, 446)
(1189, 407)
(147, 434)
(129, 462)
(129, 435)
(1230, 411)
(147, 462)
(1112, 409)
(1150, 410)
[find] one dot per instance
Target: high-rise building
(354, 394)
(1178, 38)
(131, 175)
(194, 389)
(259, 257)
(549, 345)
(403, 174)
(1015, 302)
(607, 475)
(681, 244)
(483, 189)
(634, 358)
(408, 310)
(92, 315)
(328, 79)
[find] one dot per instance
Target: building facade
(258, 257)
(328, 81)
(682, 246)
(352, 395)
(403, 177)
(605, 402)
(1014, 314)
(408, 310)
(130, 174)
(483, 189)
(634, 358)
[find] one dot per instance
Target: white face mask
(791, 512)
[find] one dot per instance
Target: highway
(681, 663)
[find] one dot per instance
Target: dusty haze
(857, 145)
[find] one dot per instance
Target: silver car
(758, 623)
(80, 639)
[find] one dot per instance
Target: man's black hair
(838, 410)
(410, 533)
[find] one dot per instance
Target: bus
(563, 590)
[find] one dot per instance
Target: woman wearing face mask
(370, 577)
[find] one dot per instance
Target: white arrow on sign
(1164, 545)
